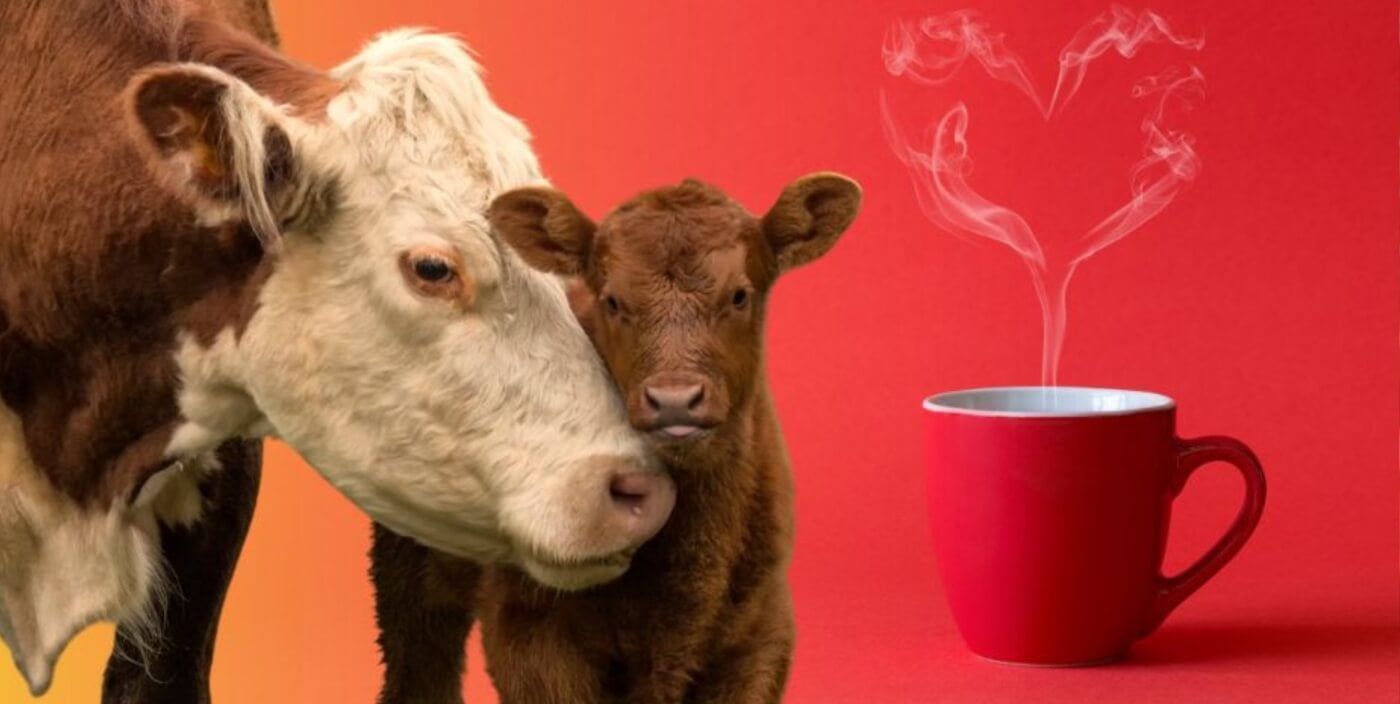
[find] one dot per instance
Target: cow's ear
(545, 228)
(213, 140)
(810, 216)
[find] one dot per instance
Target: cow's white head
(436, 380)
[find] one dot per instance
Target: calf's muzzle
(676, 405)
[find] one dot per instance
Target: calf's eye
(740, 299)
(432, 270)
(613, 306)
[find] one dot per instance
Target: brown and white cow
(675, 287)
(201, 240)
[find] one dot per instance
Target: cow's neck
(85, 472)
(99, 404)
(101, 274)
(101, 271)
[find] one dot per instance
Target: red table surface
(1264, 300)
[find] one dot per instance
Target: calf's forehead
(693, 249)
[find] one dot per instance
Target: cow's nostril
(653, 402)
(631, 490)
(637, 504)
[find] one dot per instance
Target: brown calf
(674, 292)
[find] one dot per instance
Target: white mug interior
(1047, 401)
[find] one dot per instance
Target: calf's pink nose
(675, 399)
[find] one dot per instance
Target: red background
(1264, 300)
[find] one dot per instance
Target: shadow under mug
(1050, 508)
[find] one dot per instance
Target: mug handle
(1191, 454)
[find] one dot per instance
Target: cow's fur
(396, 381)
(60, 568)
(71, 550)
(674, 285)
(201, 240)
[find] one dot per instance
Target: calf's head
(432, 377)
(677, 283)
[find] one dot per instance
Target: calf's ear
(545, 228)
(810, 216)
(581, 301)
(214, 141)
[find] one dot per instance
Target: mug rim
(1147, 402)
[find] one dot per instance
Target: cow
(203, 242)
(674, 289)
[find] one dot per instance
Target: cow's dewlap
(64, 567)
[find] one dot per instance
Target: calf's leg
(534, 653)
(423, 603)
(753, 675)
(751, 667)
(532, 663)
(200, 562)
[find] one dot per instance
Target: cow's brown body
(99, 266)
(98, 269)
(674, 290)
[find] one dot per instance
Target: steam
(1118, 29)
(940, 181)
(1167, 166)
(933, 50)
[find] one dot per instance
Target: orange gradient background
(1264, 299)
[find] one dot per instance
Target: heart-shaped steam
(932, 51)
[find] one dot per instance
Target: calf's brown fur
(674, 290)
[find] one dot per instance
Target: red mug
(1050, 508)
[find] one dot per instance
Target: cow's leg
(200, 563)
(423, 603)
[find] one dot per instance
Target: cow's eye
(740, 298)
(613, 306)
(438, 272)
(432, 270)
